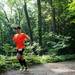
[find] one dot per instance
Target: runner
(19, 38)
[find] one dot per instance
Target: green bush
(8, 49)
(33, 59)
(35, 48)
(53, 42)
(3, 65)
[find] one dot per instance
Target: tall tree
(53, 26)
(28, 21)
(39, 22)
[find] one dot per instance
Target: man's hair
(18, 27)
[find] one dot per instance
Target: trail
(62, 68)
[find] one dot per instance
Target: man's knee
(20, 57)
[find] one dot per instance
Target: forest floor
(60, 68)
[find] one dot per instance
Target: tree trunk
(39, 22)
(53, 26)
(28, 21)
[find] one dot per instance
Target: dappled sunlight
(62, 70)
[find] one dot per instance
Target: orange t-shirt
(19, 40)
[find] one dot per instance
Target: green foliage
(12, 63)
(72, 7)
(51, 44)
(7, 48)
(33, 59)
(71, 24)
(32, 49)
(54, 42)
(3, 66)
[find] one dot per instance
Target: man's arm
(28, 37)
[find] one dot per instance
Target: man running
(19, 38)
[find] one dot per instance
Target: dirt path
(62, 68)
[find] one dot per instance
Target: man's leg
(24, 62)
(20, 62)
(21, 59)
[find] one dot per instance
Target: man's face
(18, 30)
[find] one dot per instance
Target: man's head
(18, 29)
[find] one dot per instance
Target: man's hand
(28, 37)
